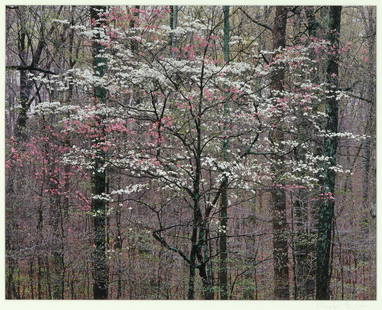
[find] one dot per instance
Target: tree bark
(326, 210)
(98, 180)
(369, 175)
(278, 197)
(223, 255)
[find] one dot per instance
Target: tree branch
(359, 97)
(30, 68)
(255, 21)
(157, 236)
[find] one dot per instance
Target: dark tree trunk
(326, 210)
(208, 293)
(223, 255)
(98, 181)
(192, 264)
(305, 241)
(203, 255)
(278, 197)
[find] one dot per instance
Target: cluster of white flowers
(133, 188)
(60, 21)
(103, 196)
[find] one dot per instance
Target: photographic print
(174, 152)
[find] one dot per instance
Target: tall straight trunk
(98, 180)
(326, 210)
(278, 196)
(368, 146)
(223, 255)
(368, 15)
(304, 246)
(369, 194)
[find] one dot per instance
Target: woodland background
(109, 193)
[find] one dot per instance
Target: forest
(190, 152)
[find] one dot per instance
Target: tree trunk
(326, 210)
(223, 255)
(203, 255)
(98, 180)
(192, 264)
(278, 197)
(305, 240)
(368, 193)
